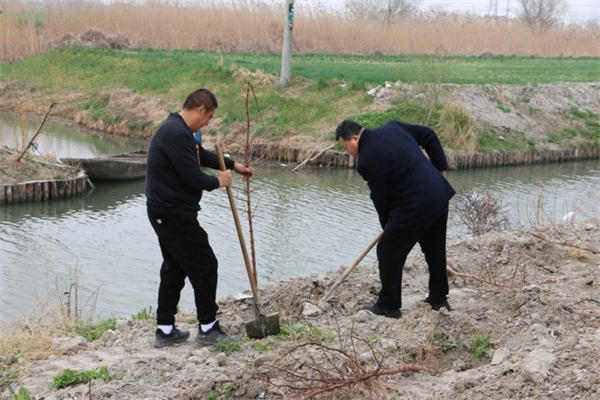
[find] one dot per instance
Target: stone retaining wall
(43, 190)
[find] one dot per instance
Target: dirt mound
(533, 110)
(29, 169)
(537, 339)
(93, 37)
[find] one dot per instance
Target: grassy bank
(327, 88)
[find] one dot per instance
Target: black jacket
(406, 188)
(174, 180)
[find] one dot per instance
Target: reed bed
(253, 26)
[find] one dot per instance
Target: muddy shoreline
(540, 315)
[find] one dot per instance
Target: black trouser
(186, 253)
(392, 250)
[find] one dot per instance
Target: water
(312, 221)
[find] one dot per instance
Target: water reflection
(63, 139)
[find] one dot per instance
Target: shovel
(351, 268)
(263, 325)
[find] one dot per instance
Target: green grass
(302, 333)
(144, 315)
(22, 394)
(441, 339)
(261, 347)
(7, 376)
(228, 346)
(158, 71)
(481, 345)
(71, 377)
(492, 141)
(401, 111)
(94, 332)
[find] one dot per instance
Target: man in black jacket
(411, 198)
(174, 186)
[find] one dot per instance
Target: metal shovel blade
(263, 326)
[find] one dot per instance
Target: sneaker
(377, 310)
(176, 336)
(436, 305)
(211, 337)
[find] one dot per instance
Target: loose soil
(542, 317)
(26, 170)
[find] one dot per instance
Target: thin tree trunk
(249, 89)
(37, 133)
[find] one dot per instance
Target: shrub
(481, 213)
(71, 377)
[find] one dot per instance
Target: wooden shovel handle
(351, 268)
(238, 226)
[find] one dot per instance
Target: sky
(579, 10)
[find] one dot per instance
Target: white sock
(167, 329)
(207, 327)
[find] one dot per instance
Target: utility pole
(493, 7)
(507, 7)
(286, 54)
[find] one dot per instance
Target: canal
(309, 221)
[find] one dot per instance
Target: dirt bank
(544, 332)
(546, 122)
(534, 111)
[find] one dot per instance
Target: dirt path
(545, 333)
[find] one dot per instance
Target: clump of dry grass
(579, 255)
(62, 311)
(256, 26)
(457, 128)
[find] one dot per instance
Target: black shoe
(176, 336)
(211, 337)
(437, 304)
(377, 310)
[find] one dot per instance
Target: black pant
(186, 253)
(392, 250)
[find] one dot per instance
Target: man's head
(199, 108)
(347, 134)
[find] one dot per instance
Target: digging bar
(263, 325)
(351, 268)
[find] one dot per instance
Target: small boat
(113, 168)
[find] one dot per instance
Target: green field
(171, 75)
(157, 71)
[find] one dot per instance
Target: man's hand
(224, 178)
(246, 172)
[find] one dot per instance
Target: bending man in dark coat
(174, 186)
(411, 198)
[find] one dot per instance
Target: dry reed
(457, 128)
(255, 27)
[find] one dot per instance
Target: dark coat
(174, 179)
(406, 188)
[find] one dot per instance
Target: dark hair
(201, 97)
(347, 129)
